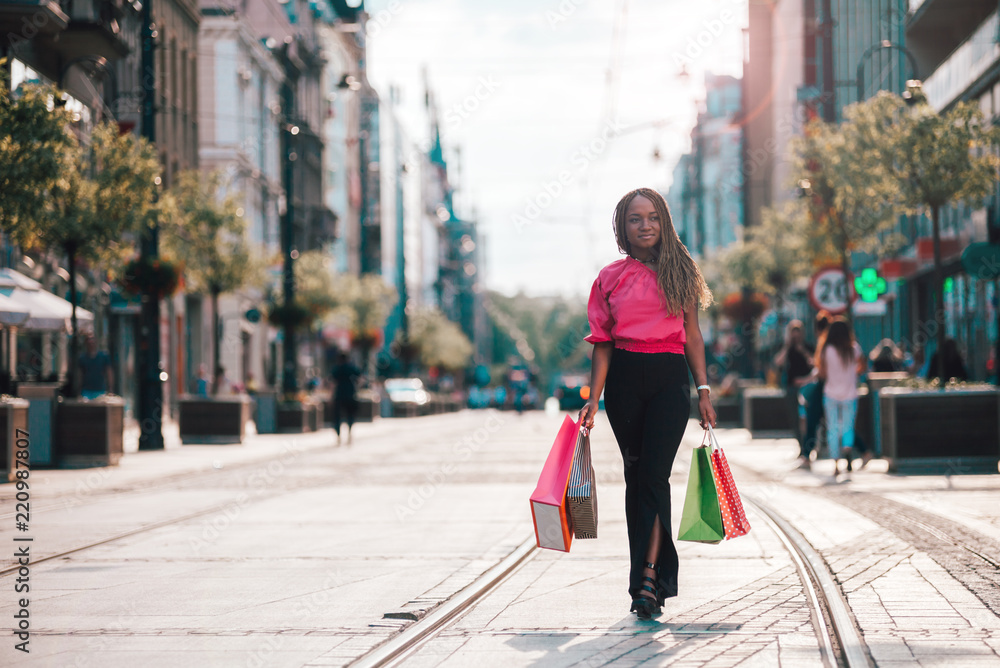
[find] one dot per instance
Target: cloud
(552, 95)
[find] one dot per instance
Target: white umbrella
(46, 312)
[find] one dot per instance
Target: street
(290, 551)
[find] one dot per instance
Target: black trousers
(344, 410)
(648, 402)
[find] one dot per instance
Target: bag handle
(713, 440)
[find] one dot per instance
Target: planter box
(877, 380)
(765, 412)
(266, 411)
(728, 410)
(295, 417)
(940, 432)
(214, 420)
(42, 398)
(864, 422)
(13, 416)
(369, 407)
(314, 410)
(89, 433)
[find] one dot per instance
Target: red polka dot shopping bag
(733, 517)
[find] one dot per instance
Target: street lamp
(884, 44)
(150, 373)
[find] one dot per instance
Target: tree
(210, 235)
(101, 195)
(34, 139)
(440, 341)
(939, 159)
(852, 197)
(368, 300)
(744, 264)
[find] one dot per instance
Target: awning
(11, 314)
(46, 312)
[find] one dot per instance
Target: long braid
(680, 280)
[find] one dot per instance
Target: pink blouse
(626, 307)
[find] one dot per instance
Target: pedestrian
(954, 365)
(202, 382)
(886, 356)
(345, 400)
(95, 371)
(840, 362)
(812, 394)
(643, 315)
(221, 383)
(795, 361)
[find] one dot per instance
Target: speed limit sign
(829, 290)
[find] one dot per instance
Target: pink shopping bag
(553, 528)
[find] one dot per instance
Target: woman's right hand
(588, 414)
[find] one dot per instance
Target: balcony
(935, 28)
(28, 18)
(94, 29)
(965, 65)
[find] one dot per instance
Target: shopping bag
(581, 496)
(701, 519)
(548, 502)
(733, 517)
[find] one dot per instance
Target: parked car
(572, 390)
(407, 397)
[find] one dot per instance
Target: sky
(549, 141)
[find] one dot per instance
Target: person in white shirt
(840, 362)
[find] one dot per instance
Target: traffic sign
(982, 261)
(829, 290)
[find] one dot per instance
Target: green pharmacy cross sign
(870, 285)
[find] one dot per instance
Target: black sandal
(646, 606)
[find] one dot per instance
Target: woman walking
(643, 314)
(840, 362)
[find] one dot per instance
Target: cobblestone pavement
(914, 555)
(306, 554)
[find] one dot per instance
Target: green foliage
(547, 333)
(314, 283)
(853, 198)
(363, 304)
(34, 140)
(941, 158)
(102, 196)
(440, 342)
(208, 234)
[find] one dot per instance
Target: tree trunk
(747, 327)
(74, 343)
(938, 291)
(216, 341)
(996, 353)
(845, 266)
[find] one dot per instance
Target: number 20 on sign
(829, 290)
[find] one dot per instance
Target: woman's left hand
(706, 410)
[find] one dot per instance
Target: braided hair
(680, 280)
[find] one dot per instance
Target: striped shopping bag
(733, 517)
(581, 495)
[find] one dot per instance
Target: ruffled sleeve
(599, 315)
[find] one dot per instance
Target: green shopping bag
(701, 519)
